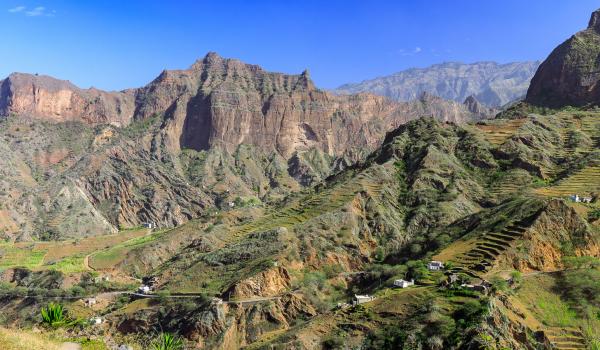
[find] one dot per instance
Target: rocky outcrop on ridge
(47, 98)
(570, 74)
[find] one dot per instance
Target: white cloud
(38, 11)
(17, 9)
(34, 12)
(416, 50)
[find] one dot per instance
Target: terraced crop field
(480, 259)
(305, 208)
(515, 181)
(25, 255)
(108, 258)
(583, 183)
(66, 256)
(500, 131)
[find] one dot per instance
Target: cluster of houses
(577, 199)
(400, 283)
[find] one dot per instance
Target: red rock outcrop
(228, 102)
(47, 98)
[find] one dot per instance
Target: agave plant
(54, 315)
(167, 341)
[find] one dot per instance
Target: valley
(224, 206)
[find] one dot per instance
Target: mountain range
(215, 106)
(491, 83)
(224, 207)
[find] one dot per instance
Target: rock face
(219, 132)
(570, 75)
(58, 100)
(491, 83)
(228, 102)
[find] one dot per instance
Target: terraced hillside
(584, 183)
(479, 197)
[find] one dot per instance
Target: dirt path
(86, 263)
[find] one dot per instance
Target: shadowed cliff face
(225, 101)
(570, 75)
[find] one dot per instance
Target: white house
(435, 265)
(231, 204)
(90, 302)
(144, 289)
(150, 225)
(96, 320)
(575, 198)
(361, 299)
(403, 283)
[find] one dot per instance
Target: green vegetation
(581, 288)
(167, 341)
(54, 315)
(17, 256)
(110, 257)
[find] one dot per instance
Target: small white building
(575, 198)
(150, 225)
(144, 289)
(96, 320)
(401, 283)
(361, 299)
(90, 302)
(231, 204)
(435, 265)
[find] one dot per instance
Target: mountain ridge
(501, 82)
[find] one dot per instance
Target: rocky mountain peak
(595, 21)
(472, 104)
(569, 76)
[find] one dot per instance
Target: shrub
(167, 341)
(335, 341)
(54, 315)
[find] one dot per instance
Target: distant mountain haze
(491, 83)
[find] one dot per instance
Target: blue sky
(119, 44)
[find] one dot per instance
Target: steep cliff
(227, 102)
(570, 74)
(47, 98)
